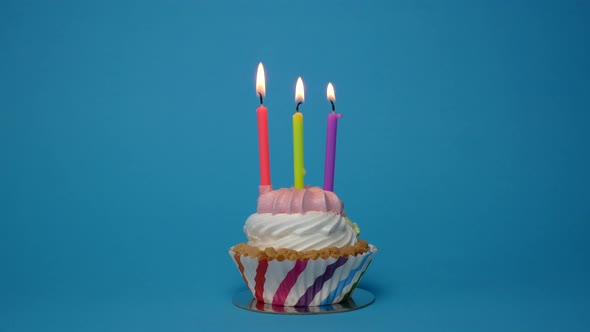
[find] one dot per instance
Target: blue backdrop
(128, 158)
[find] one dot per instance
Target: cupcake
(302, 249)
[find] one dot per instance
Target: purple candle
(331, 142)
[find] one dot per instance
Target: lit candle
(299, 170)
(331, 141)
(262, 131)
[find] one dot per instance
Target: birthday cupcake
(302, 249)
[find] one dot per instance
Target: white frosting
(312, 230)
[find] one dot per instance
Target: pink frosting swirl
(291, 200)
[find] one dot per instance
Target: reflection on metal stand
(360, 299)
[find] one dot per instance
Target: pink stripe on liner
(260, 279)
(287, 283)
(317, 286)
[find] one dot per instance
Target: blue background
(129, 158)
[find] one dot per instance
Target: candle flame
(260, 81)
(330, 92)
(299, 91)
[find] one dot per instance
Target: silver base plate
(359, 299)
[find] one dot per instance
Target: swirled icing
(299, 219)
(312, 230)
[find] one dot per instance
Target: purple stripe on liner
(288, 283)
(310, 293)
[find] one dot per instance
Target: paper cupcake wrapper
(303, 283)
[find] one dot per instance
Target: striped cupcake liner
(303, 283)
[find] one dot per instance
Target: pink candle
(331, 142)
(262, 115)
(263, 146)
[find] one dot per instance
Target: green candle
(298, 166)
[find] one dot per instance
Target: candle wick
(297, 107)
(333, 107)
(260, 94)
